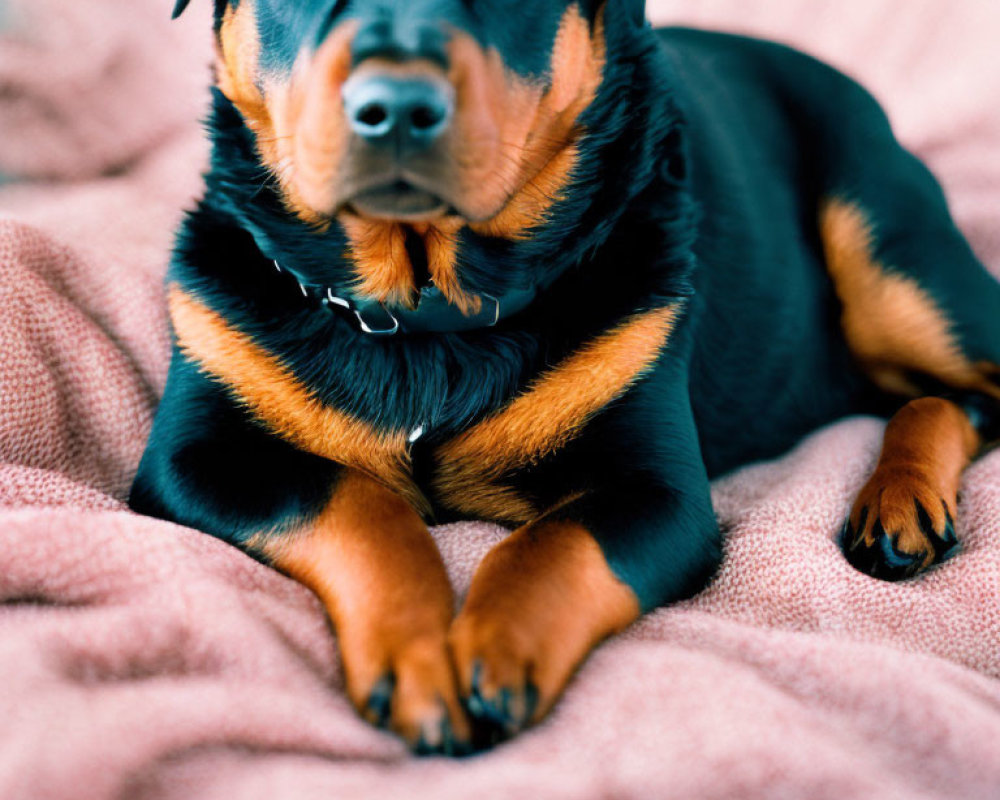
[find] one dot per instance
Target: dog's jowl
(540, 264)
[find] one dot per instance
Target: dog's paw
(508, 677)
(539, 603)
(496, 676)
(900, 525)
(411, 691)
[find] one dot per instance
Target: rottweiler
(538, 263)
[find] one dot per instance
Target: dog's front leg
(539, 602)
(358, 545)
(546, 595)
(373, 563)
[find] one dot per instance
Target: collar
(432, 313)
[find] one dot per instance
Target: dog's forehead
(521, 30)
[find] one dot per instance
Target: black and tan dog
(535, 262)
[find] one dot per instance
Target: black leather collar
(432, 313)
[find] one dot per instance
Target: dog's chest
(469, 474)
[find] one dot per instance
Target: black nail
(379, 705)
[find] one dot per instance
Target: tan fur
(537, 149)
(529, 208)
(542, 419)
(237, 54)
(312, 133)
(300, 138)
(381, 263)
(270, 390)
(892, 325)
(372, 562)
(539, 602)
(927, 446)
(441, 241)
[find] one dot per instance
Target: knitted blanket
(139, 659)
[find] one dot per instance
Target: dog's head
(430, 115)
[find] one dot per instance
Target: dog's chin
(400, 202)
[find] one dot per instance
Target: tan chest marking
(892, 325)
(471, 467)
(269, 389)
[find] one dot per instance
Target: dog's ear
(179, 8)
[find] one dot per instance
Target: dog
(543, 265)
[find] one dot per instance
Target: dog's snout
(409, 113)
(400, 40)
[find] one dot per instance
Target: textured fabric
(143, 660)
(80, 78)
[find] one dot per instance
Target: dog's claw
(505, 713)
(945, 543)
(893, 557)
(378, 709)
(434, 734)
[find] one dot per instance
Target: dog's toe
(418, 699)
(498, 680)
(500, 711)
(379, 704)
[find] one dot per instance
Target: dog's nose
(406, 112)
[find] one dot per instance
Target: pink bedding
(142, 660)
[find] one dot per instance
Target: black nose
(406, 112)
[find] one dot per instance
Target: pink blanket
(143, 660)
